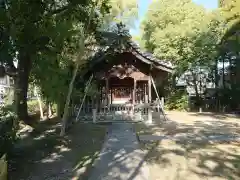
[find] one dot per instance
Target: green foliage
(231, 12)
(228, 93)
(9, 98)
(33, 106)
(177, 100)
(8, 127)
(186, 34)
(182, 32)
(52, 71)
(44, 36)
(125, 11)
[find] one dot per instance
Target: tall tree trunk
(66, 107)
(49, 109)
(59, 110)
(70, 88)
(40, 107)
(39, 102)
(24, 67)
(196, 88)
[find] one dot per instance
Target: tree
(115, 43)
(124, 11)
(231, 12)
(138, 39)
(184, 33)
(29, 29)
(229, 54)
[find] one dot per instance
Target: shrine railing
(117, 112)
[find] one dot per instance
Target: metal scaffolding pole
(159, 101)
(85, 94)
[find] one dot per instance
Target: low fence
(117, 112)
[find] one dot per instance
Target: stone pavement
(121, 157)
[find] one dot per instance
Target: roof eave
(169, 70)
(156, 65)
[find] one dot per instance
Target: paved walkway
(121, 158)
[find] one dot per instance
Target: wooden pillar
(107, 92)
(94, 112)
(134, 95)
(145, 93)
(134, 92)
(149, 98)
(149, 89)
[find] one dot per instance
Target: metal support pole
(154, 86)
(84, 97)
(162, 101)
(149, 89)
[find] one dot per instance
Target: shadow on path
(121, 157)
(197, 149)
(43, 154)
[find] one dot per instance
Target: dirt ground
(195, 156)
(43, 155)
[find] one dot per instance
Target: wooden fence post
(149, 121)
(162, 102)
(94, 111)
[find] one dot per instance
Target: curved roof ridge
(150, 56)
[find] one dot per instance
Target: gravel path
(121, 157)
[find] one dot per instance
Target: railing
(118, 112)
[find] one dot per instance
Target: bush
(8, 128)
(33, 106)
(177, 100)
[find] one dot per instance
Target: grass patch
(47, 155)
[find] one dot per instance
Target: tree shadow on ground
(43, 154)
(220, 116)
(121, 157)
(203, 149)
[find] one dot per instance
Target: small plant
(8, 128)
(177, 101)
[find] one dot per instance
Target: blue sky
(143, 6)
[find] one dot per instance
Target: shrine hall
(126, 79)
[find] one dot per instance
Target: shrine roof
(130, 47)
(150, 58)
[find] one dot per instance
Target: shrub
(33, 106)
(8, 128)
(177, 100)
